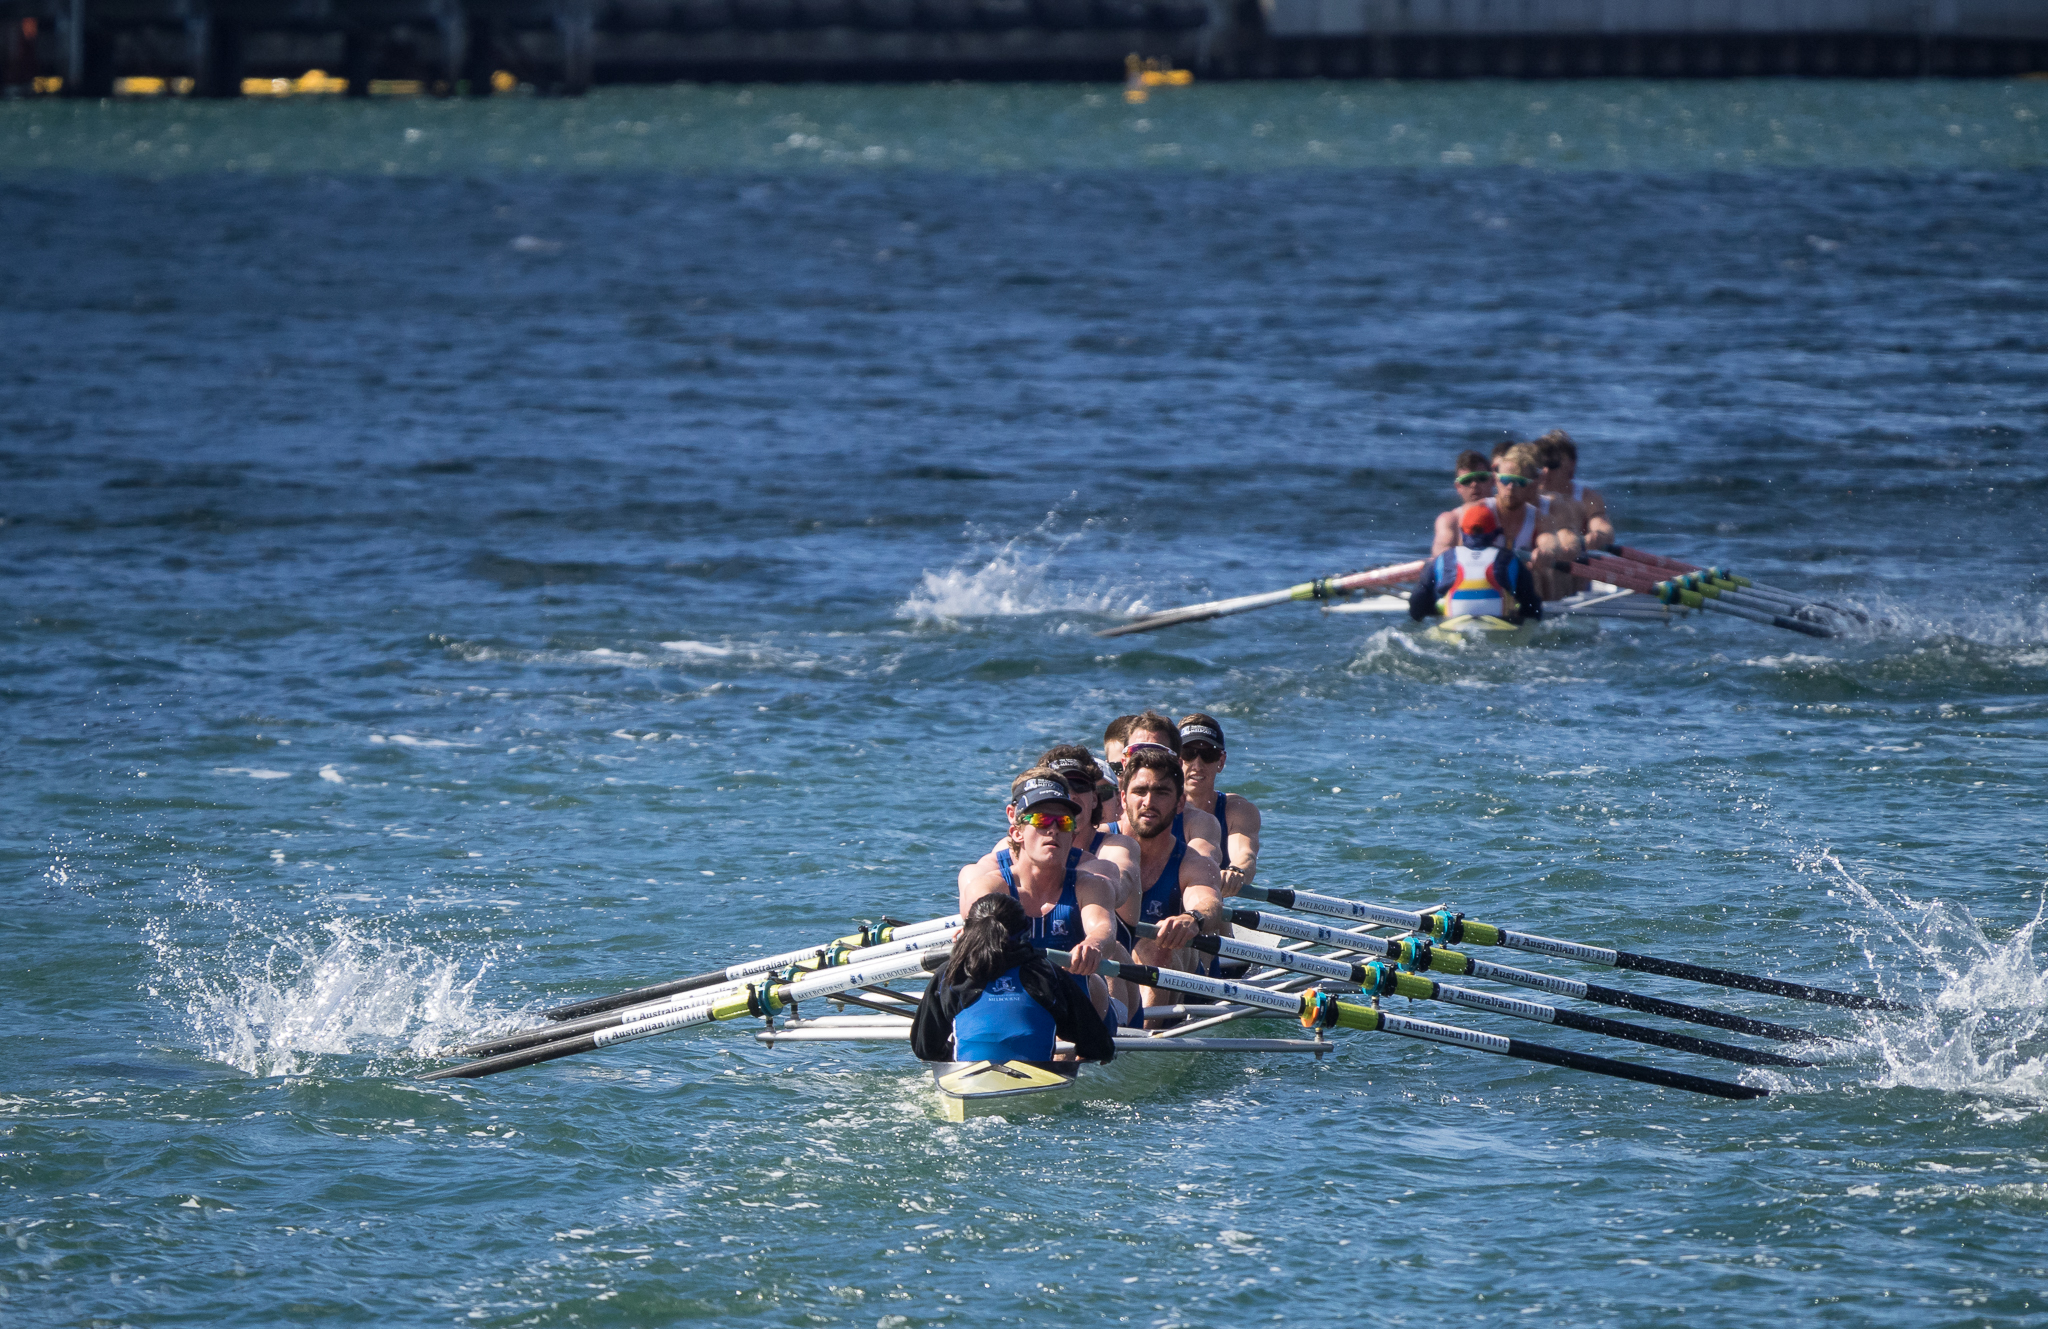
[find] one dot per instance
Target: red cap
(1478, 519)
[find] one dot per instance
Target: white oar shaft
(888, 950)
(837, 979)
(1222, 989)
(1320, 589)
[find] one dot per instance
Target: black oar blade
(512, 1061)
(1776, 987)
(598, 1005)
(1677, 1042)
(1674, 1010)
(549, 1033)
(1626, 1070)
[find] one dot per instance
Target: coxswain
(1472, 479)
(1202, 758)
(1182, 890)
(1196, 825)
(1559, 458)
(1066, 909)
(999, 999)
(1478, 578)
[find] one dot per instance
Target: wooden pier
(212, 47)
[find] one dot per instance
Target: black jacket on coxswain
(1060, 993)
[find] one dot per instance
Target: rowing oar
(1322, 588)
(870, 935)
(1321, 1010)
(763, 999)
(1715, 584)
(1621, 572)
(1659, 560)
(1420, 953)
(1451, 929)
(809, 961)
(1382, 978)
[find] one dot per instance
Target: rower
(1113, 737)
(1473, 481)
(1477, 579)
(998, 999)
(1559, 458)
(1104, 852)
(1202, 758)
(1097, 849)
(1196, 825)
(1181, 890)
(1066, 909)
(1525, 527)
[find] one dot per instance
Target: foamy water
(1020, 576)
(696, 578)
(1985, 1028)
(272, 996)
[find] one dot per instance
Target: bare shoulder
(1123, 844)
(1445, 535)
(980, 878)
(1087, 882)
(1243, 814)
(1200, 824)
(1200, 870)
(1561, 514)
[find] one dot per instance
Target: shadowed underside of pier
(457, 46)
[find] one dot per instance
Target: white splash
(275, 999)
(254, 773)
(698, 650)
(1012, 580)
(1986, 1030)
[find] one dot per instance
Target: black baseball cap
(1197, 732)
(1042, 791)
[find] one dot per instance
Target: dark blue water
(429, 596)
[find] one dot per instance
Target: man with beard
(1181, 890)
(1525, 527)
(1196, 825)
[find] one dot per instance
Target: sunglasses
(1201, 752)
(1047, 821)
(1516, 480)
(1475, 478)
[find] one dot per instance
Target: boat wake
(1985, 1029)
(1011, 579)
(278, 997)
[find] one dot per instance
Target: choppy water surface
(431, 597)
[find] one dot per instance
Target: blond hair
(1520, 459)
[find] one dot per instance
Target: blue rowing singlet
(1162, 897)
(1004, 1023)
(1059, 928)
(1223, 814)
